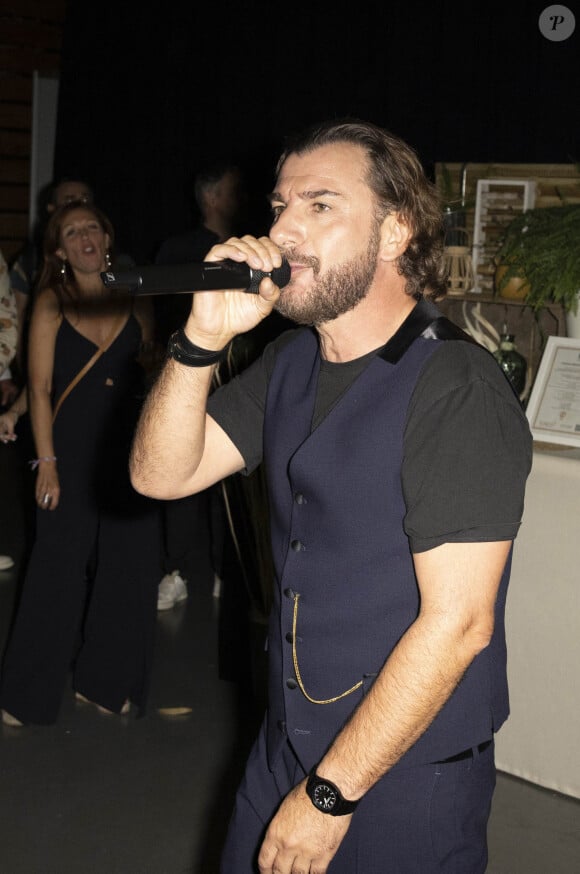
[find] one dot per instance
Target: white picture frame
(553, 410)
(497, 203)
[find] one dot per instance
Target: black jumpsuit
(90, 591)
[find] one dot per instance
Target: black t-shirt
(467, 444)
(191, 247)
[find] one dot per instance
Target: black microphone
(182, 278)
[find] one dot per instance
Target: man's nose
(288, 230)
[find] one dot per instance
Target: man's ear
(61, 254)
(395, 237)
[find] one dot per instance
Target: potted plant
(540, 252)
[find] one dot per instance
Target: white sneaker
(6, 562)
(172, 589)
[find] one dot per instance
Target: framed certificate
(553, 410)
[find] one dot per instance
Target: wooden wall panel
(15, 89)
(30, 40)
(22, 60)
(14, 171)
(51, 11)
(555, 183)
(14, 197)
(15, 116)
(13, 225)
(40, 35)
(16, 144)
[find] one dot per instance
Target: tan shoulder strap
(92, 360)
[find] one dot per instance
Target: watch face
(325, 797)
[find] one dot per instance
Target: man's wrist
(330, 767)
(213, 343)
(183, 350)
(326, 796)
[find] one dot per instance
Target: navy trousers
(428, 819)
(194, 531)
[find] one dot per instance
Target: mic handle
(187, 278)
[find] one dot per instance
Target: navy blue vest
(344, 570)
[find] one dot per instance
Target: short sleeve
(467, 451)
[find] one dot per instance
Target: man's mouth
(299, 263)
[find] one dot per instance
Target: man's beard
(337, 291)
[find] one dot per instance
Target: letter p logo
(557, 23)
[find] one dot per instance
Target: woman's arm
(44, 325)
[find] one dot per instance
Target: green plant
(542, 246)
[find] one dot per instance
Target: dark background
(149, 92)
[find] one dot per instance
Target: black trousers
(193, 534)
(104, 627)
(427, 819)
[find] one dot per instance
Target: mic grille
(279, 275)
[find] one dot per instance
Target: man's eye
(320, 207)
(276, 210)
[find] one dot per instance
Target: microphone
(183, 278)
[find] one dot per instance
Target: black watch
(327, 797)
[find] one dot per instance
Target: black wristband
(183, 350)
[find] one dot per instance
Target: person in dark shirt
(193, 526)
(396, 455)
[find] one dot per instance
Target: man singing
(396, 455)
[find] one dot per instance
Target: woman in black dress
(88, 601)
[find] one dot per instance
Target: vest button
(296, 545)
(289, 593)
(299, 498)
(290, 637)
(291, 683)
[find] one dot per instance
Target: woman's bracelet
(183, 350)
(36, 461)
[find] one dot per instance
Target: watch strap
(181, 349)
(327, 797)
